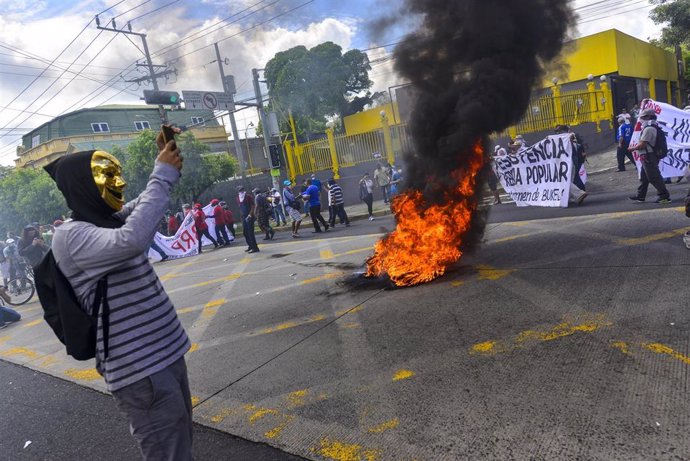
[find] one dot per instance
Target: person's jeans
(316, 218)
(339, 211)
(385, 191)
(278, 214)
(651, 175)
(205, 232)
(222, 235)
(248, 232)
(577, 163)
(8, 315)
(621, 153)
(159, 411)
(369, 200)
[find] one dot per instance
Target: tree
(319, 82)
(676, 17)
(201, 169)
(29, 195)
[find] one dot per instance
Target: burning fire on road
(473, 65)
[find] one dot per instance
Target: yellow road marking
(227, 278)
(621, 346)
(220, 416)
(491, 273)
(557, 331)
(355, 251)
(260, 413)
(403, 374)
(83, 375)
(297, 398)
(4, 338)
(195, 346)
(20, 351)
(186, 310)
(392, 424)
(318, 279)
(457, 283)
(652, 238)
(664, 349)
(211, 308)
(48, 361)
(341, 451)
(195, 400)
(33, 323)
(326, 254)
(275, 432)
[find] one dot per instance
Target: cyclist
(35, 252)
(12, 256)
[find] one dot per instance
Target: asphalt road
(52, 419)
(564, 336)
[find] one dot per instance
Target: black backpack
(73, 326)
(661, 148)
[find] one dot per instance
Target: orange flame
(427, 239)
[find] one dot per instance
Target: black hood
(72, 174)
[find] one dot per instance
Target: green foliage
(29, 195)
(201, 169)
(675, 15)
(137, 162)
(319, 82)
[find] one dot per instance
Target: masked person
(650, 173)
(140, 343)
(248, 211)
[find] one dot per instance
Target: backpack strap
(102, 300)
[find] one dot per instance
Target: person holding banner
(201, 226)
(649, 160)
(229, 219)
(219, 216)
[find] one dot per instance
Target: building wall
(640, 59)
(368, 120)
(611, 52)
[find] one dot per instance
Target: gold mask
(107, 174)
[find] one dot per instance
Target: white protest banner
(538, 175)
(676, 124)
(184, 243)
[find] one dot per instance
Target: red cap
(214, 202)
(197, 205)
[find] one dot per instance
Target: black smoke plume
(472, 64)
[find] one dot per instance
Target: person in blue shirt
(623, 136)
(312, 195)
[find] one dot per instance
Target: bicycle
(20, 290)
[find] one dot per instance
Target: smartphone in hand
(168, 133)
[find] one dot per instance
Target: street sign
(210, 100)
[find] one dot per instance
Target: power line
(67, 84)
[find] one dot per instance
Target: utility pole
(680, 64)
(275, 172)
(152, 75)
(231, 114)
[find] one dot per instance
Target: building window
(198, 121)
(142, 126)
(35, 140)
(100, 128)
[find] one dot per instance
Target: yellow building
(634, 68)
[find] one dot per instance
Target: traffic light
(163, 98)
(274, 156)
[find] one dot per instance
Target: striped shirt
(145, 335)
(335, 195)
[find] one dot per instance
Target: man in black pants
(248, 210)
(649, 159)
(312, 195)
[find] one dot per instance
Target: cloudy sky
(34, 33)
